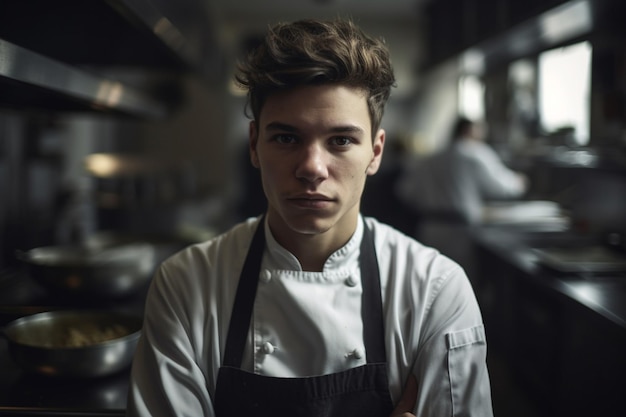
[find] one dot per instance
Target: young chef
(312, 309)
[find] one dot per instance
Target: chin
(309, 227)
(309, 224)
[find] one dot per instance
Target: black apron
(361, 391)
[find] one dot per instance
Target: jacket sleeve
(166, 379)
(495, 179)
(451, 367)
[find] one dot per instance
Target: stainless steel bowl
(74, 343)
(91, 271)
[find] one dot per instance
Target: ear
(378, 146)
(253, 135)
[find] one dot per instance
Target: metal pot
(92, 271)
(74, 344)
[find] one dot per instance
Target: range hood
(53, 53)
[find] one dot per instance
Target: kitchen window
(564, 91)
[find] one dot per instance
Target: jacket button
(268, 348)
(351, 281)
(266, 276)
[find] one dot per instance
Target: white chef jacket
(458, 180)
(309, 323)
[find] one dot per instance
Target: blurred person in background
(448, 190)
(454, 184)
(311, 308)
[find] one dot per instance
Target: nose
(312, 163)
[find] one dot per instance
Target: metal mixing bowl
(87, 271)
(74, 343)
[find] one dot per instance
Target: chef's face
(314, 148)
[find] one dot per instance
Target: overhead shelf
(51, 52)
(556, 26)
(31, 80)
(99, 32)
(515, 29)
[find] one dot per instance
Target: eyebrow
(273, 126)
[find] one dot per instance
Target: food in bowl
(86, 334)
(74, 344)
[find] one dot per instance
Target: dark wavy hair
(461, 128)
(312, 52)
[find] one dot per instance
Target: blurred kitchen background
(121, 116)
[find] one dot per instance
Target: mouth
(314, 201)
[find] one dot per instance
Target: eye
(285, 138)
(342, 141)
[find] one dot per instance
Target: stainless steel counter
(563, 333)
(602, 292)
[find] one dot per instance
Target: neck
(312, 252)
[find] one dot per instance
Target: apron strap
(371, 302)
(244, 299)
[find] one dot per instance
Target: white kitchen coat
(458, 180)
(309, 323)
